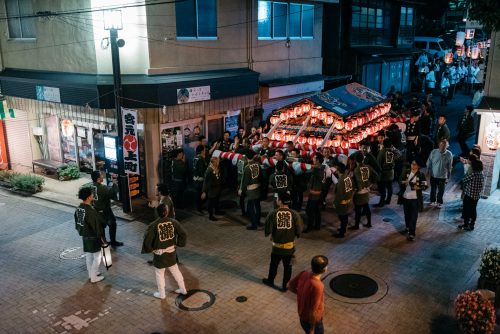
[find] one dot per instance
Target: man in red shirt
(310, 298)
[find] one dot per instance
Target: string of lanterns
(345, 133)
(471, 50)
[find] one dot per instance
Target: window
(196, 19)
(365, 17)
(278, 20)
(406, 18)
(19, 26)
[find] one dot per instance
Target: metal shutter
(19, 141)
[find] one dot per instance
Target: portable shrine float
(339, 118)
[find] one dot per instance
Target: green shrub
(27, 182)
(6, 175)
(69, 172)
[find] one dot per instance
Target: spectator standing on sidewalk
(162, 237)
(102, 203)
(465, 130)
(473, 184)
(310, 295)
(439, 167)
(90, 229)
(284, 225)
(412, 183)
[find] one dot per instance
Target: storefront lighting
(460, 38)
(475, 52)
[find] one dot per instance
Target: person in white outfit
(161, 238)
(445, 86)
(430, 80)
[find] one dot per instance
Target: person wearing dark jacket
(90, 229)
(284, 225)
(250, 188)
(343, 196)
(442, 131)
(387, 158)
(363, 176)
(315, 186)
(200, 166)
(212, 184)
(465, 130)
(162, 237)
(102, 203)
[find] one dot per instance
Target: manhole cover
(241, 299)
(73, 253)
(195, 300)
(354, 286)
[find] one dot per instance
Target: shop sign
(130, 141)
(193, 94)
(232, 122)
(67, 128)
(4, 162)
(51, 94)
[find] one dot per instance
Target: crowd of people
(409, 156)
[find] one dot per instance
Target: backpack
(80, 221)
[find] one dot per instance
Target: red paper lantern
(273, 136)
(329, 120)
(274, 119)
(348, 125)
(339, 124)
(298, 111)
(284, 116)
(460, 51)
(314, 120)
(302, 140)
(311, 140)
(344, 144)
(319, 141)
(306, 108)
(336, 142)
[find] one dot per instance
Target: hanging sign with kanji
(130, 141)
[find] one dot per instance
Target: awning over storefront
(348, 100)
(139, 91)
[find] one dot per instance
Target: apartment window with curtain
(196, 19)
(279, 20)
(406, 18)
(20, 27)
(370, 22)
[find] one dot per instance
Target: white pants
(93, 262)
(160, 278)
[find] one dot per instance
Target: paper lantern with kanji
(274, 119)
(306, 108)
(321, 115)
(314, 113)
(348, 125)
(329, 119)
(339, 124)
(448, 58)
(344, 144)
(336, 142)
(460, 51)
(283, 116)
(302, 140)
(311, 140)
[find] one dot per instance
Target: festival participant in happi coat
(387, 158)
(284, 225)
(344, 190)
(162, 237)
(90, 229)
(364, 176)
(281, 180)
(315, 186)
(250, 188)
(102, 203)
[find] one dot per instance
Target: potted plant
(68, 172)
(27, 183)
(489, 270)
(474, 313)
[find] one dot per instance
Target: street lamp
(113, 23)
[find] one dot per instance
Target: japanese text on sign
(130, 141)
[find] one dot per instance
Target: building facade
(188, 67)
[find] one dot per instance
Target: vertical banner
(130, 141)
(4, 163)
(131, 151)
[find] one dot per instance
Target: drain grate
(354, 286)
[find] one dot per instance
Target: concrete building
(186, 67)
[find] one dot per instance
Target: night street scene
(250, 166)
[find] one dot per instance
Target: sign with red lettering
(130, 142)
